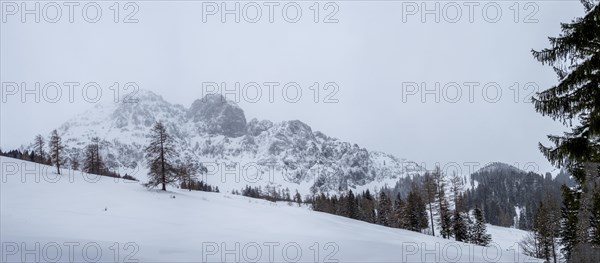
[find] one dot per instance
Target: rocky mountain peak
(214, 130)
(216, 115)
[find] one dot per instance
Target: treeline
(199, 186)
(425, 202)
(503, 188)
(52, 153)
(165, 167)
(270, 194)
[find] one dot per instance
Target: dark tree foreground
(575, 101)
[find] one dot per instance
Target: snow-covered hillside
(214, 132)
(85, 218)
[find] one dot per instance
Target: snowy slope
(86, 214)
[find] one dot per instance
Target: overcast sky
(373, 54)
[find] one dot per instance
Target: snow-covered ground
(81, 218)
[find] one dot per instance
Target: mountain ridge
(215, 130)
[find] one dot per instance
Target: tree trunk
(97, 159)
(57, 159)
(162, 162)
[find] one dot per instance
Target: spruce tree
(399, 208)
(320, 203)
(384, 209)
(352, 206)
(160, 153)
(459, 227)
(575, 57)
(367, 207)
(478, 234)
(415, 213)
(341, 207)
(569, 211)
(334, 205)
(56, 148)
(575, 101)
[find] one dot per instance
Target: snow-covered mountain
(236, 152)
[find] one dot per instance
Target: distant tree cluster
(37, 153)
(500, 190)
(414, 211)
(23, 155)
(93, 163)
(52, 153)
(199, 186)
(270, 194)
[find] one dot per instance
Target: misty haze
(300, 131)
